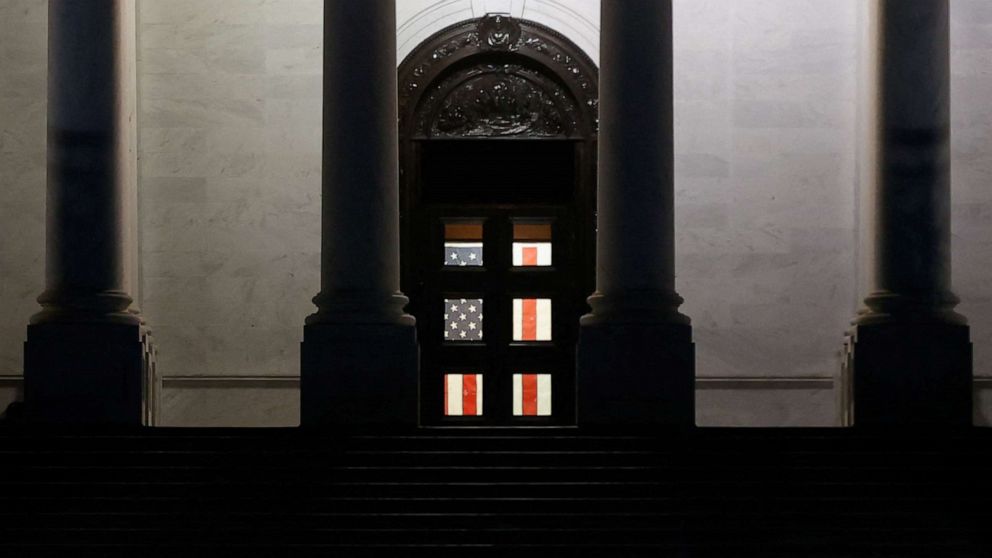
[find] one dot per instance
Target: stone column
(910, 360)
(84, 355)
(360, 355)
(635, 353)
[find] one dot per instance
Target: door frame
(533, 70)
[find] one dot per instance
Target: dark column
(360, 354)
(84, 357)
(635, 354)
(910, 361)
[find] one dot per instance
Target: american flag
(462, 254)
(462, 395)
(532, 395)
(463, 319)
(532, 319)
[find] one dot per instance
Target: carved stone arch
(497, 76)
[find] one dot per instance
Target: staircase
(521, 493)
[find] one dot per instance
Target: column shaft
(87, 163)
(635, 362)
(911, 140)
(636, 244)
(360, 225)
(84, 355)
(359, 352)
(911, 358)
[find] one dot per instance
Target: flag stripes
(463, 395)
(532, 319)
(531, 254)
(532, 395)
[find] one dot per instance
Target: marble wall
(230, 101)
(765, 196)
(23, 105)
(971, 121)
(767, 169)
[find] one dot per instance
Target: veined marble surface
(971, 174)
(230, 99)
(23, 107)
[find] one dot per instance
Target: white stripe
(518, 395)
(544, 254)
(454, 394)
(544, 319)
(478, 394)
(544, 395)
(518, 319)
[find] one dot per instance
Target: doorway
(497, 221)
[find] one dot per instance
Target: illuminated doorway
(497, 155)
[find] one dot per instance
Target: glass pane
(532, 319)
(532, 395)
(532, 244)
(462, 319)
(463, 244)
(463, 395)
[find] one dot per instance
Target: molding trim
(273, 381)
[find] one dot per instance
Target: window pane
(532, 244)
(536, 232)
(463, 244)
(462, 319)
(463, 395)
(532, 254)
(463, 254)
(532, 395)
(532, 319)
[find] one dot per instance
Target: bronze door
(497, 130)
(500, 282)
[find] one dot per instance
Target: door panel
(474, 296)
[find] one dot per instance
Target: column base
(910, 373)
(356, 376)
(152, 381)
(635, 374)
(85, 374)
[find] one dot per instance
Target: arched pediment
(498, 77)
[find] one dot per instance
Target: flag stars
(462, 254)
(463, 321)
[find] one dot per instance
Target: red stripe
(446, 411)
(528, 327)
(469, 408)
(530, 256)
(529, 383)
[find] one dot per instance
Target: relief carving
(498, 104)
(501, 32)
(519, 101)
